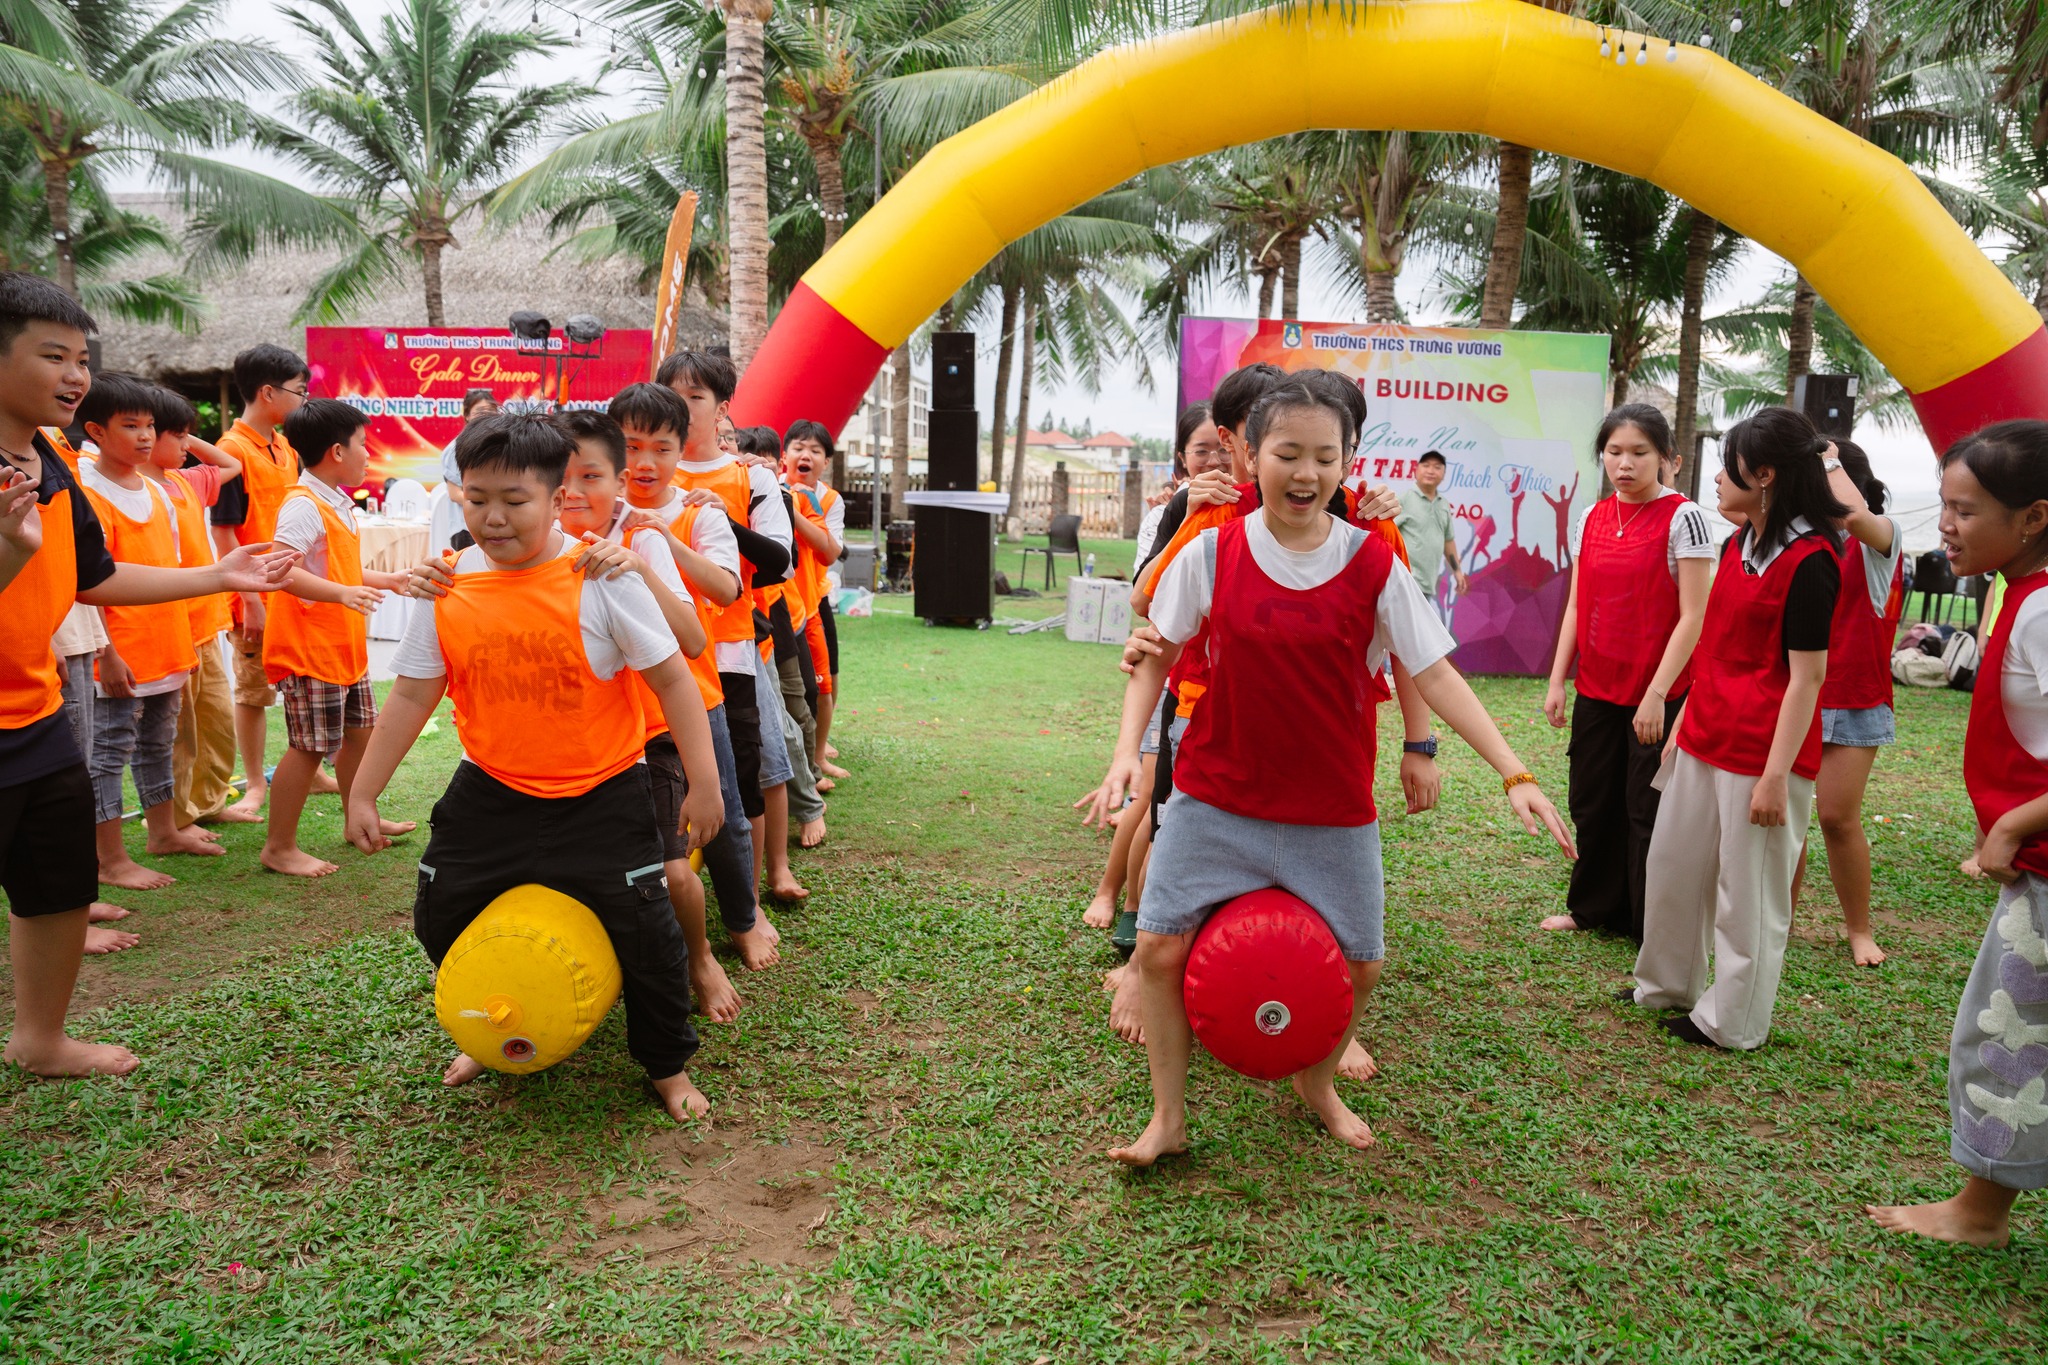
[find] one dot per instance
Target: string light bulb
(1670, 50)
(1643, 52)
(1621, 54)
(1735, 24)
(1606, 48)
(1706, 40)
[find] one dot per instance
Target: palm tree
(415, 126)
(130, 83)
(746, 170)
(1757, 334)
(1392, 183)
(104, 242)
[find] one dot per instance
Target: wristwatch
(1425, 747)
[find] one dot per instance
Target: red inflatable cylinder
(1267, 989)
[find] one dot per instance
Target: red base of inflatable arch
(1267, 990)
(2014, 385)
(813, 364)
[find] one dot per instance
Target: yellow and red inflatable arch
(1864, 230)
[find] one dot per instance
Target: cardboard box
(1098, 610)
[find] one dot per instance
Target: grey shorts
(1179, 725)
(1203, 856)
(775, 769)
(1866, 727)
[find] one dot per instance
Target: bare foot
(683, 1100)
(832, 751)
(1344, 1125)
(784, 886)
(130, 875)
(1357, 1064)
(69, 1057)
(323, 783)
(99, 942)
(391, 829)
(1126, 1017)
(826, 784)
(834, 770)
(187, 840)
(1555, 922)
(1952, 1220)
(715, 996)
(811, 833)
(1113, 978)
(246, 811)
(101, 912)
(1863, 947)
(1101, 912)
(296, 862)
(767, 926)
(462, 1070)
(1159, 1139)
(757, 949)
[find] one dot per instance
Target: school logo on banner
(1290, 336)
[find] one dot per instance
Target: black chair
(1063, 537)
(1932, 579)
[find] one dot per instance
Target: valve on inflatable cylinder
(1267, 990)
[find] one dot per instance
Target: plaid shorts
(316, 713)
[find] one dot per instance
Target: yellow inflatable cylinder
(527, 981)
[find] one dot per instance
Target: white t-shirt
(711, 536)
(136, 504)
(764, 492)
(2023, 684)
(622, 625)
(1689, 537)
(1148, 531)
(300, 525)
(1407, 627)
(1878, 569)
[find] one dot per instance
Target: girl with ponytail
(1745, 749)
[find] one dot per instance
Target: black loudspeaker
(953, 572)
(955, 461)
(952, 371)
(1829, 400)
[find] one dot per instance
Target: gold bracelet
(1508, 784)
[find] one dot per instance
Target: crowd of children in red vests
(637, 639)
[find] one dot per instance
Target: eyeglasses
(1205, 452)
(300, 394)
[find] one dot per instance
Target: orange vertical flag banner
(668, 294)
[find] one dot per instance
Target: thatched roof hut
(495, 272)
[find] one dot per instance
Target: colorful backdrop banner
(410, 380)
(1514, 415)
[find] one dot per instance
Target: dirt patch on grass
(738, 1196)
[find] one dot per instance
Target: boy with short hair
(553, 787)
(148, 655)
(656, 427)
(271, 382)
(52, 553)
(203, 757)
(317, 647)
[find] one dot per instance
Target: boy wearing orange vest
(655, 425)
(807, 452)
(53, 553)
(708, 472)
(316, 649)
(272, 382)
(539, 660)
(203, 758)
(148, 656)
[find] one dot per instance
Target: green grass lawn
(906, 1157)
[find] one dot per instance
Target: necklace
(1621, 524)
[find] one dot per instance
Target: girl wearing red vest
(1274, 779)
(1994, 519)
(539, 660)
(1856, 699)
(1642, 562)
(1745, 749)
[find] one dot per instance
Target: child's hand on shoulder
(604, 560)
(643, 519)
(1379, 504)
(702, 497)
(428, 581)
(1212, 488)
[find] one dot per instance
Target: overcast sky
(1903, 460)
